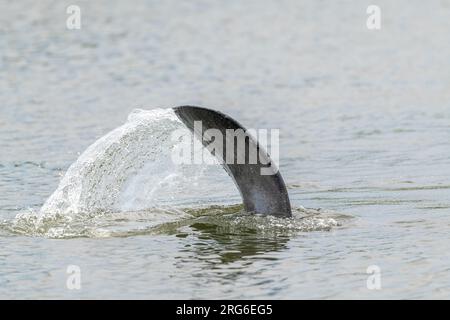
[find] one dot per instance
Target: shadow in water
(216, 243)
(230, 245)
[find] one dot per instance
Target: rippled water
(365, 140)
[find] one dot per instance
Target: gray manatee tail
(261, 193)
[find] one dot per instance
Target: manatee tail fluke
(261, 193)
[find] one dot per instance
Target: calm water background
(365, 130)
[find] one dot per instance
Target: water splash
(123, 169)
(126, 184)
(225, 219)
